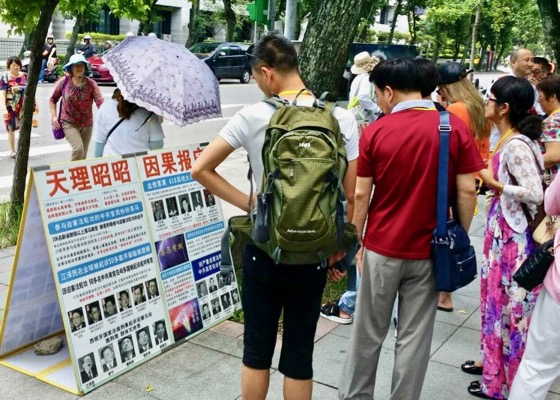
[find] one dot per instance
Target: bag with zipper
(300, 210)
(453, 255)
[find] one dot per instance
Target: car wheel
(246, 77)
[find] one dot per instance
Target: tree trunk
(230, 20)
(550, 17)
(439, 39)
(457, 49)
(412, 23)
(74, 36)
(394, 21)
(22, 159)
(321, 67)
(193, 34)
(473, 37)
(482, 51)
(28, 37)
(466, 46)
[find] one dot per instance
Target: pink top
(78, 101)
(552, 207)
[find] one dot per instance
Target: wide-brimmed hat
(363, 63)
(75, 59)
(452, 72)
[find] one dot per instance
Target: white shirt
(247, 129)
(362, 89)
(130, 136)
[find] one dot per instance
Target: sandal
(331, 311)
(475, 388)
(13, 154)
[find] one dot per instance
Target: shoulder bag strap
(514, 181)
(62, 97)
(443, 174)
(113, 129)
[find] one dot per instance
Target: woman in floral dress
(514, 176)
(12, 88)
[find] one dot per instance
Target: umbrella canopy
(165, 78)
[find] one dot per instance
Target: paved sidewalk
(208, 366)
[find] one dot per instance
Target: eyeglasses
(537, 71)
(488, 100)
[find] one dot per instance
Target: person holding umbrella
(78, 94)
(122, 127)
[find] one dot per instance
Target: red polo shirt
(400, 152)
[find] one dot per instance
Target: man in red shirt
(399, 156)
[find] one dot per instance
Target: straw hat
(364, 63)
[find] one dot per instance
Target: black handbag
(533, 270)
(452, 254)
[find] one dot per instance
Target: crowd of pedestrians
(502, 145)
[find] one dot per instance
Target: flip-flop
(445, 309)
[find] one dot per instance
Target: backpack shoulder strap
(276, 101)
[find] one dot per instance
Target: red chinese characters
(86, 177)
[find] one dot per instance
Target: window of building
(108, 23)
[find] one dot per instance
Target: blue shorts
(269, 290)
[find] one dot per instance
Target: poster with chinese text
(104, 266)
(186, 223)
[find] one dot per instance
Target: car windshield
(204, 48)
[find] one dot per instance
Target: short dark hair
(12, 60)
(550, 86)
(520, 96)
(401, 74)
(543, 62)
(429, 75)
(275, 50)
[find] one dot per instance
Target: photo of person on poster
(158, 211)
(234, 296)
(88, 370)
(126, 348)
(212, 285)
(216, 306)
(109, 306)
(124, 300)
(107, 356)
(209, 198)
(138, 294)
(172, 209)
(93, 313)
(160, 332)
(76, 318)
(206, 311)
(226, 302)
(202, 289)
(196, 198)
(144, 341)
(152, 289)
(185, 204)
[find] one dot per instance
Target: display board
(122, 255)
(186, 223)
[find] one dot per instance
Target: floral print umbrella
(165, 78)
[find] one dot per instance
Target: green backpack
(300, 210)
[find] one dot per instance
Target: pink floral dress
(14, 99)
(506, 308)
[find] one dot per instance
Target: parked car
(100, 73)
(226, 60)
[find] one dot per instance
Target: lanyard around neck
(506, 135)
